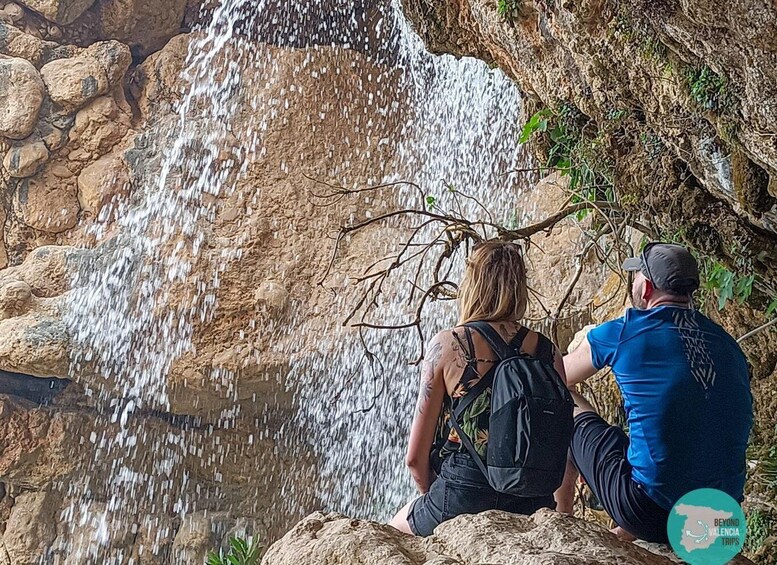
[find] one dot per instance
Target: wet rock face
(200, 451)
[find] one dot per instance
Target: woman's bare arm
(430, 397)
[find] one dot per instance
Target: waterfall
(458, 128)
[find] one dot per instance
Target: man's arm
(430, 396)
(578, 364)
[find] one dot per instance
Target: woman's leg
(400, 520)
(565, 495)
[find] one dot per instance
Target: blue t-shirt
(686, 391)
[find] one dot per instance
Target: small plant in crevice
(508, 9)
(653, 145)
(760, 526)
(721, 284)
(241, 552)
(708, 89)
(575, 148)
(725, 285)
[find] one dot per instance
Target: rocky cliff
(89, 91)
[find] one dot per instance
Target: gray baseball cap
(668, 266)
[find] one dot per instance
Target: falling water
(456, 128)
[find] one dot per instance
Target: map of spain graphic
(699, 529)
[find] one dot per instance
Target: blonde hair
(494, 285)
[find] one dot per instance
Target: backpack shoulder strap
(545, 350)
(493, 339)
(517, 341)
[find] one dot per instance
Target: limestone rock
(156, 83)
(11, 12)
(14, 298)
(199, 534)
(3, 252)
(145, 24)
(17, 43)
(59, 11)
(34, 446)
(34, 344)
(272, 295)
(496, 538)
(101, 181)
(73, 81)
(49, 269)
(21, 96)
(26, 159)
(30, 528)
(46, 204)
(99, 126)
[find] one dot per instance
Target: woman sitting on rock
(494, 290)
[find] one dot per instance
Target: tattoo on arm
(461, 360)
(427, 376)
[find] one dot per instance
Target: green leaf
(744, 288)
(430, 201)
(772, 307)
(725, 288)
(534, 124)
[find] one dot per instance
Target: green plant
(772, 308)
(652, 48)
(576, 149)
(708, 89)
(759, 527)
(652, 143)
(508, 9)
(720, 282)
(241, 552)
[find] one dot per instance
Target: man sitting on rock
(686, 392)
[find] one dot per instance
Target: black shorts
(599, 451)
(461, 488)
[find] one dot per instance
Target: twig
(758, 330)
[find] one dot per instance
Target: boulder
(156, 83)
(11, 13)
(47, 204)
(14, 299)
(143, 24)
(493, 537)
(21, 95)
(17, 43)
(101, 181)
(74, 81)
(31, 527)
(26, 159)
(59, 11)
(34, 344)
(99, 126)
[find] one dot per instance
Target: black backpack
(531, 420)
